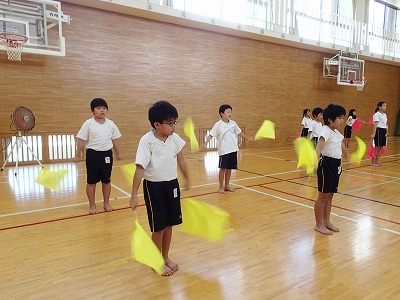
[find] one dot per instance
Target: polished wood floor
(52, 249)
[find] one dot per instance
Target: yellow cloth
(266, 130)
(188, 128)
(358, 155)
(203, 220)
(306, 154)
(145, 251)
(129, 171)
(51, 179)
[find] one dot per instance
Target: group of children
(159, 154)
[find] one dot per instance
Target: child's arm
(374, 129)
(116, 149)
(245, 137)
(79, 149)
(345, 152)
(320, 146)
(309, 135)
(137, 179)
(183, 168)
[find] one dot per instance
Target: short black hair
(162, 111)
(332, 111)
(224, 107)
(96, 102)
(316, 111)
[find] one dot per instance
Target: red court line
(339, 207)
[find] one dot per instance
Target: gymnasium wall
(133, 62)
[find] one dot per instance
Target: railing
(46, 147)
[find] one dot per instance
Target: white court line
(311, 207)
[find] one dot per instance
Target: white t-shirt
(306, 122)
(158, 158)
(350, 121)
(381, 118)
(99, 136)
(226, 135)
(333, 142)
(315, 128)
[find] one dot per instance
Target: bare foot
(221, 191)
(170, 264)
(166, 271)
(107, 207)
(375, 165)
(322, 229)
(229, 189)
(332, 227)
(93, 210)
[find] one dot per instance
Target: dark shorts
(315, 141)
(163, 203)
(304, 132)
(380, 137)
(347, 131)
(98, 166)
(228, 161)
(328, 172)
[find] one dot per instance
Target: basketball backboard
(346, 68)
(40, 20)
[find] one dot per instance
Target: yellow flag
(266, 130)
(306, 154)
(145, 251)
(51, 179)
(188, 128)
(207, 221)
(129, 171)
(358, 155)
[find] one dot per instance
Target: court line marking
(311, 207)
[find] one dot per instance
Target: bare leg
(346, 143)
(157, 238)
(375, 160)
(91, 193)
(106, 196)
(227, 180)
(221, 181)
(166, 243)
(327, 214)
(319, 209)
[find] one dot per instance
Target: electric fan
(23, 120)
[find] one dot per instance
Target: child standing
(316, 125)
(158, 155)
(99, 135)
(329, 151)
(305, 122)
(226, 132)
(348, 129)
(380, 131)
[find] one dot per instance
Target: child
(157, 157)
(348, 129)
(99, 135)
(316, 125)
(305, 122)
(226, 132)
(380, 131)
(329, 151)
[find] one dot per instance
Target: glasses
(172, 123)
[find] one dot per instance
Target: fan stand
(18, 143)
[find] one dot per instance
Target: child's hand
(134, 202)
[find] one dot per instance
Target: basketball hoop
(14, 43)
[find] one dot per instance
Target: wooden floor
(51, 248)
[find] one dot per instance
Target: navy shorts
(380, 137)
(163, 203)
(98, 166)
(328, 172)
(228, 161)
(347, 131)
(304, 132)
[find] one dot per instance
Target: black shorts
(98, 166)
(163, 203)
(315, 141)
(304, 132)
(228, 161)
(328, 172)
(380, 137)
(347, 131)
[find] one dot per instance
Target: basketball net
(14, 43)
